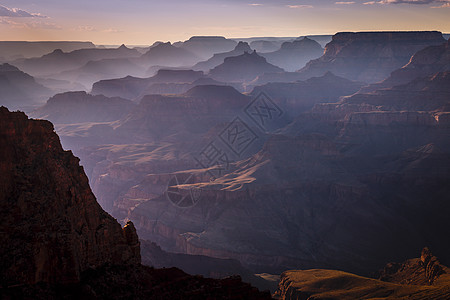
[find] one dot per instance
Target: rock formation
(294, 55)
(296, 97)
(165, 54)
(52, 227)
(420, 278)
(219, 58)
(57, 241)
(80, 107)
(243, 68)
(19, 89)
(369, 56)
(207, 46)
(426, 62)
(132, 87)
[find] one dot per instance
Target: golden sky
(141, 22)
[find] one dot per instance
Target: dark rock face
(370, 56)
(139, 282)
(153, 255)
(243, 68)
(52, 228)
(57, 242)
(294, 55)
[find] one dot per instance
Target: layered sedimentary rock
(369, 56)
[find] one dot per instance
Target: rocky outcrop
(80, 107)
(419, 278)
(369, 56)
(425, 270)
(294, 55)
(52, 228)
(243, 68)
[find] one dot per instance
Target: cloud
(17, 13)
(29, 25)
(299, 6)
(446, 3)
(345, 3)
(255, 4)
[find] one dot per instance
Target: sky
(142, 22)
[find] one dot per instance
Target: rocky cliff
(370, 56)
(57, 242)
(52, 227)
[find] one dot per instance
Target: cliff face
(52, 229)
(424, 63)
(370, 56)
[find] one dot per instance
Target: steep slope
(18, 89)
(52, 227)
(294, 55)
(243, 68)
(369, 56)
(57, 241)
(80, 107)
(219, 58)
